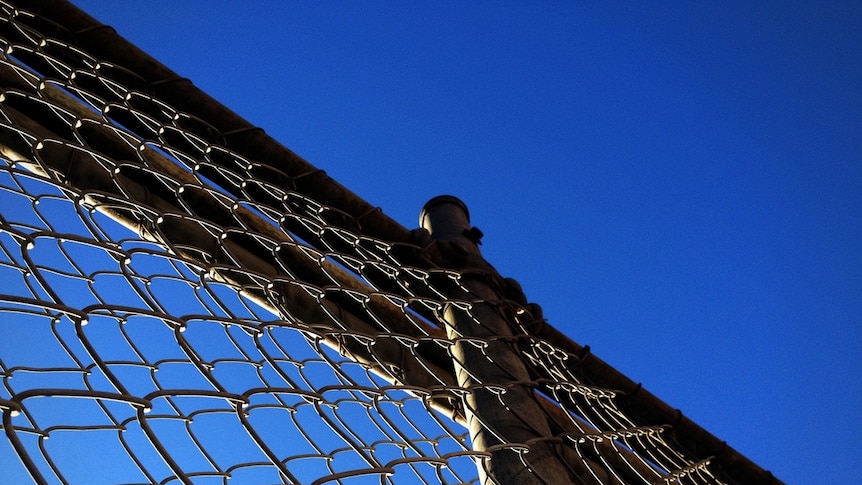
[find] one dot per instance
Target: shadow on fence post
(504, 418)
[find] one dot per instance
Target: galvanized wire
(172, 311)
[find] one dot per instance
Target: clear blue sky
(678, 185)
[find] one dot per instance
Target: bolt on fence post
(500, 409)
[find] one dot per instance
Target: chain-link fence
(182, 300)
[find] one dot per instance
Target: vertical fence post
(500, 409)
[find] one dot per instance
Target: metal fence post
(503, 415)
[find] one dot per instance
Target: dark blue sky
(680, 186)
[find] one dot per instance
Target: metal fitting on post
(446, 218)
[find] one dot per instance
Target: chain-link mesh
(173, 311)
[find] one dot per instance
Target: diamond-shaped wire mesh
(173, 311)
